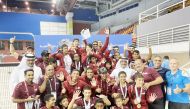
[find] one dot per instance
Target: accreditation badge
(169, 91)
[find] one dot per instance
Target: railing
(160, 9)
(172, 35)
(5, 96)
(185, 66)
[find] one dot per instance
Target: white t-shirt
(68, 62)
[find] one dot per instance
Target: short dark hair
(26, 71)
(53, 60)
(75, 70)
(138, 75)
(47, 97)
(30, 47)
(103, 70)
(92, 56)
(115, 46)
(99, 101)
(45, 53)
(64, 45)
(95, 42)
(90, 45)
(60, 98)
(108, 62)
(133, 46)
(122, 72)
(75, 39)
(87, 88)
(166, 57)
(89, 68)
(136, 51)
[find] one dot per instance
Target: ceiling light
(4, 7)
(28, 8)
(26, 3)
(0, 1)
(53, 5)
(54, 1)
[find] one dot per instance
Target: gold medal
(138, 106)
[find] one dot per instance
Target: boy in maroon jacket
(139, 97)
(119, 103)
(49, 102)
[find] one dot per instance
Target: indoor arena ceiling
(61, 5)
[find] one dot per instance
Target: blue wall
(42, 42)
(23, 22)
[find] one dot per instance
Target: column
(69, 19)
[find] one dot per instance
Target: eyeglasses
(116, 48)
(158, 60)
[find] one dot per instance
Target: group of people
(97, 77)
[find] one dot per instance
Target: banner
(42, 42)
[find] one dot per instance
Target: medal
(87, 106)
(138, 96)
(124, 92)
(138, 106)
(29, 105)
(37, 104)
(138, 99)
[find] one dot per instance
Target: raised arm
(85, 33)
(12, 49)
(75, 96)
(107, 32)
(42, 87)
(149, 54)
(158, 79)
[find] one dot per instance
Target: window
(30, 44)
(114, 1)
(52, 28)
(18, 45)
(2, 45)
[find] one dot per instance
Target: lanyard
(77, 66)
(51, 85)
(29, 105)
(138, 96)
(172, 76)
(87, 106)
(44, 65)
(124, 92)
(101, 86)
(27, 91)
